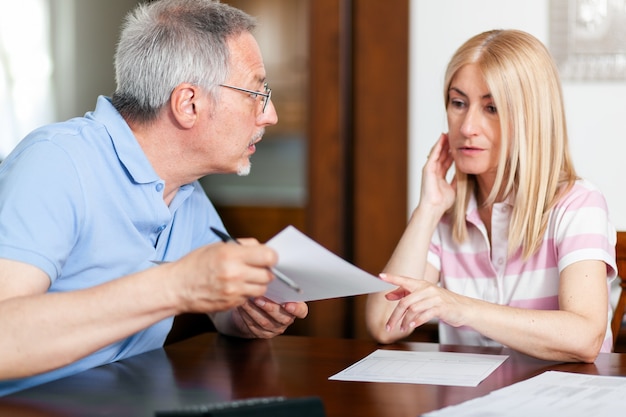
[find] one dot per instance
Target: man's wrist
(229, 323)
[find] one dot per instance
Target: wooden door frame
(358, 142)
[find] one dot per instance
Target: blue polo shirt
(80, 201)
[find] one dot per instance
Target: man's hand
(263, 318)
(228, 282)
(221, 276)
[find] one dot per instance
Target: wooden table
(209, 368)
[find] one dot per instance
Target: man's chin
(243, 171)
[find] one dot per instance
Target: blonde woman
(516, 250)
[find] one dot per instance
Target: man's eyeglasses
(254, 94)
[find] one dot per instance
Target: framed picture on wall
(588, 39)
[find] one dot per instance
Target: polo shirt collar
(471, 213)
(128, 151)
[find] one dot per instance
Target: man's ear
(183, 104)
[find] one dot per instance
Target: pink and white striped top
(578, 229)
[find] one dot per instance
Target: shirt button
(160, 228)
(159, 187)
(500, 261)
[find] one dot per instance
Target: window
(26, 100)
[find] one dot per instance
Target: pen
(281, 277)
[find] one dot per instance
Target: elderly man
(88, 207)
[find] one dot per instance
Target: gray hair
(168, 42)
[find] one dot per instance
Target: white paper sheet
(551, 393)
(435, 368)
(320, 273)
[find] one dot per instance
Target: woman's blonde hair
(535, 164)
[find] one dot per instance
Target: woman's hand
(436, 191)
(420, 301)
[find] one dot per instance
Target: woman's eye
(254, 95)
(492, 109)
(457, 103)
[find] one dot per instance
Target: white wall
(596, 111)
(85, 33)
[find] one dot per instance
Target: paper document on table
(551, 393)
(320, 273)
(435, 368)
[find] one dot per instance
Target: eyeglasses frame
(267, 95)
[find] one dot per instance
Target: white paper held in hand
(320, 273)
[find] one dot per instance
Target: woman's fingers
(411, 305)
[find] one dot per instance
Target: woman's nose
(471, 123)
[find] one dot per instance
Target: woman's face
(474, 126)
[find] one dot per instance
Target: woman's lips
(469, 151)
